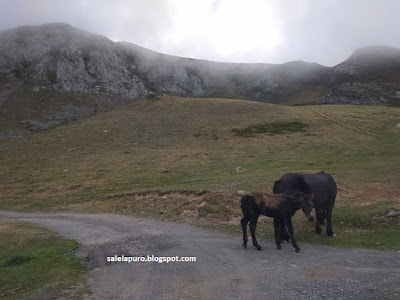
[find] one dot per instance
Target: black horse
(320, 187)
(281, 207)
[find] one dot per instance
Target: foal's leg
(329, 230)
(289, 226)
(244, 222)
(278, 224)
(320, 220)
(253, 225)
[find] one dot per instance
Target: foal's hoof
(330, 233)
(318, 230)
(258, 247)
(279, 247)
(244, 246)
(297, 250)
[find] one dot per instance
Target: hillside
(183, 159)
(55, 73)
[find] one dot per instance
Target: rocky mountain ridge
(80, 71)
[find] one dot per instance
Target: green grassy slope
(188, 144)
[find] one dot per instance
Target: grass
(35, 263)
(271, 128)
(153, 157)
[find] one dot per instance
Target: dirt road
(223, 270)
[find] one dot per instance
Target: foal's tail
(245, 203)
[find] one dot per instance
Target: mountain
(371, 60)
(55, 73)
(371, 75)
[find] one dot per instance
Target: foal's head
(305, 203)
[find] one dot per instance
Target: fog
(275, 31)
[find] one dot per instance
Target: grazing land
(36, 262)
(182, 159)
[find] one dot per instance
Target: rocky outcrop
(61, 57)
(370, 93)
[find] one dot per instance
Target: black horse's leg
(284, 233)
(323, 215)
(320, 220)
(289, 226)
(329, 230)
(253, 225)
(278, 225)
(244, 222)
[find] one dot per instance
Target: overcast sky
(270, 31)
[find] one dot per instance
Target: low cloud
(326, 32)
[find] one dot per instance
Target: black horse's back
(320, 182)
(290, 183)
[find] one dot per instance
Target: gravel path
(223, 270)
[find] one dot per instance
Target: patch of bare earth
(372, 194)
(182, 206)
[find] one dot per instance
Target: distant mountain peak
(49, 28)
(374, 53)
